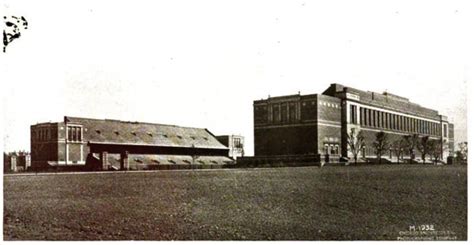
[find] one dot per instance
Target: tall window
(389, 121)
(382, 119)
(394, 122)
(397, 122)
(276, 113)
(284, 112)
(74, 133)
(353, 114)
(445, 130)
(292, 110)
(378, 119)
(369, 111)
(79, 134)
(237, 143)
(69, 133)
(326, 149)
(361, 116)
(402, 118)
(373, 117)
(366, 116)
(407, 124)
(400, 122)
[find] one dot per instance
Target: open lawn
(306, 203)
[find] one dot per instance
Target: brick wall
(289, 140)
(44, 146)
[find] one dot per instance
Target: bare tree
(424, 147)
(436, 148)
(397, 146)
(461, 153)
(381, 145)
(411, 142)
(355, 141)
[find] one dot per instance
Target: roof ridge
(134, 122)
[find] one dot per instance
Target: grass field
(307, 203)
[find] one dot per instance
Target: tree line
(407, 143)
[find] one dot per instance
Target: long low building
(318, 124)
(96, 144)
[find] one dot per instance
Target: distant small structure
(16, 161)
(235, 143)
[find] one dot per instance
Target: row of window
(74, 133)
(284, 112)
(43, 134)
(385, 120)
(334, 105)
(237, 143)
(331, 149)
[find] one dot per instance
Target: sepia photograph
(235, 120)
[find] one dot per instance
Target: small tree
(355, 141)
(381, 144)
(423, 147)
(461, 153)
(411, 142)
(397, 146)
(436, 149)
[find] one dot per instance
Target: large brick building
(317, 124)
(112, 144)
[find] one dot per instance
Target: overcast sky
(202, 63)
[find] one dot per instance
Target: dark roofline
(336, 88)
(131, 122)
(279, 97)
(154, 145)
(44, 124)
(282, 97)
(210, 132)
